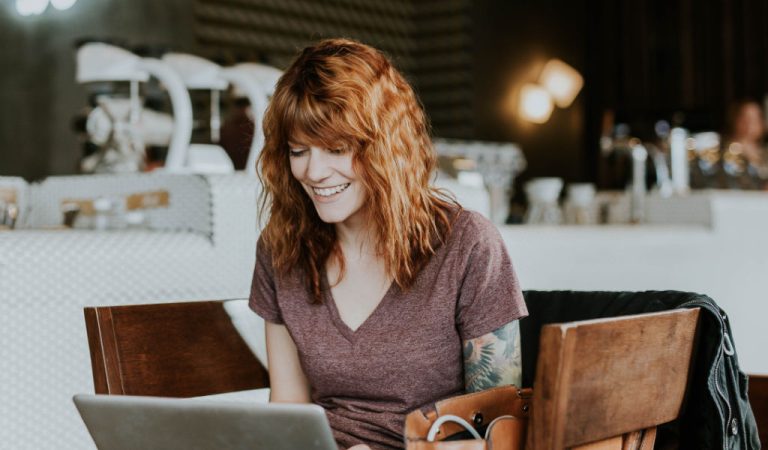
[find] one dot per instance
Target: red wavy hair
(343, 93)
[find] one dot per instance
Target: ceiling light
(63, 5)
(31, 7)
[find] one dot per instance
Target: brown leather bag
(503, 413)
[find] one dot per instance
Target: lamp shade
(562, 81)
(535, 103)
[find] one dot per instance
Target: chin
(336, 214)
(332, 216)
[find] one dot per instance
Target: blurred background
(617, 145)
(642, 62)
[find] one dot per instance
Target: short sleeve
(263, 298)
(489, 295)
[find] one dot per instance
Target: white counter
(727, 261)
(203, 250)
(47, 277)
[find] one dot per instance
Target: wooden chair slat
(171, 350)
(599, 379)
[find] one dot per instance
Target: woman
(746, 157)
(370, 280)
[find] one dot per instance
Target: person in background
(237, 132)
(380, 293)
(746, 156)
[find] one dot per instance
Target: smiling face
(328, 177)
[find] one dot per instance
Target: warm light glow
(62, 5)
(30, 7)
(562, 81)
(535, 103)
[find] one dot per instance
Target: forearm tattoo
(493, 359)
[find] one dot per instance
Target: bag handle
(435, 428)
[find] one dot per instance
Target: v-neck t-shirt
(408, 352)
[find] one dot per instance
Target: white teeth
(327, 192)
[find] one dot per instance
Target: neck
(355, 239)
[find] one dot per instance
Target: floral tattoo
(493, 359)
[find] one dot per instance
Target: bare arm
(493, 359)
(288, 384)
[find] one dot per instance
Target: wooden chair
(600, 384)
(758, 399)
(170, 350)
(606, 384)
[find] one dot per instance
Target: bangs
(310, 120)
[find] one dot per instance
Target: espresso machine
(122, 128)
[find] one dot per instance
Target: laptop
(119, 422)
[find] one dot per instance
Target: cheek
(360, 194)
(298, 167)
(352, 174)
(347, 167)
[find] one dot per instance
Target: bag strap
(435, 428)
(506, 433)
(491, 403)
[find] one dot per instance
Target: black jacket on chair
(717, 414)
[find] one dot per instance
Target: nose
(318, 167)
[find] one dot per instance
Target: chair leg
(640, 440)
(648, 439)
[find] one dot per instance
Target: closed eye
(296, 152)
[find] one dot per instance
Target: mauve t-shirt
(408, 352)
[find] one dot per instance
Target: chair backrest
(758, 399)
(602, 382)
(170, 350)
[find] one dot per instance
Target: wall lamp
(535, 103)
(558, 84)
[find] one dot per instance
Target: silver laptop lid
(147, 423)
